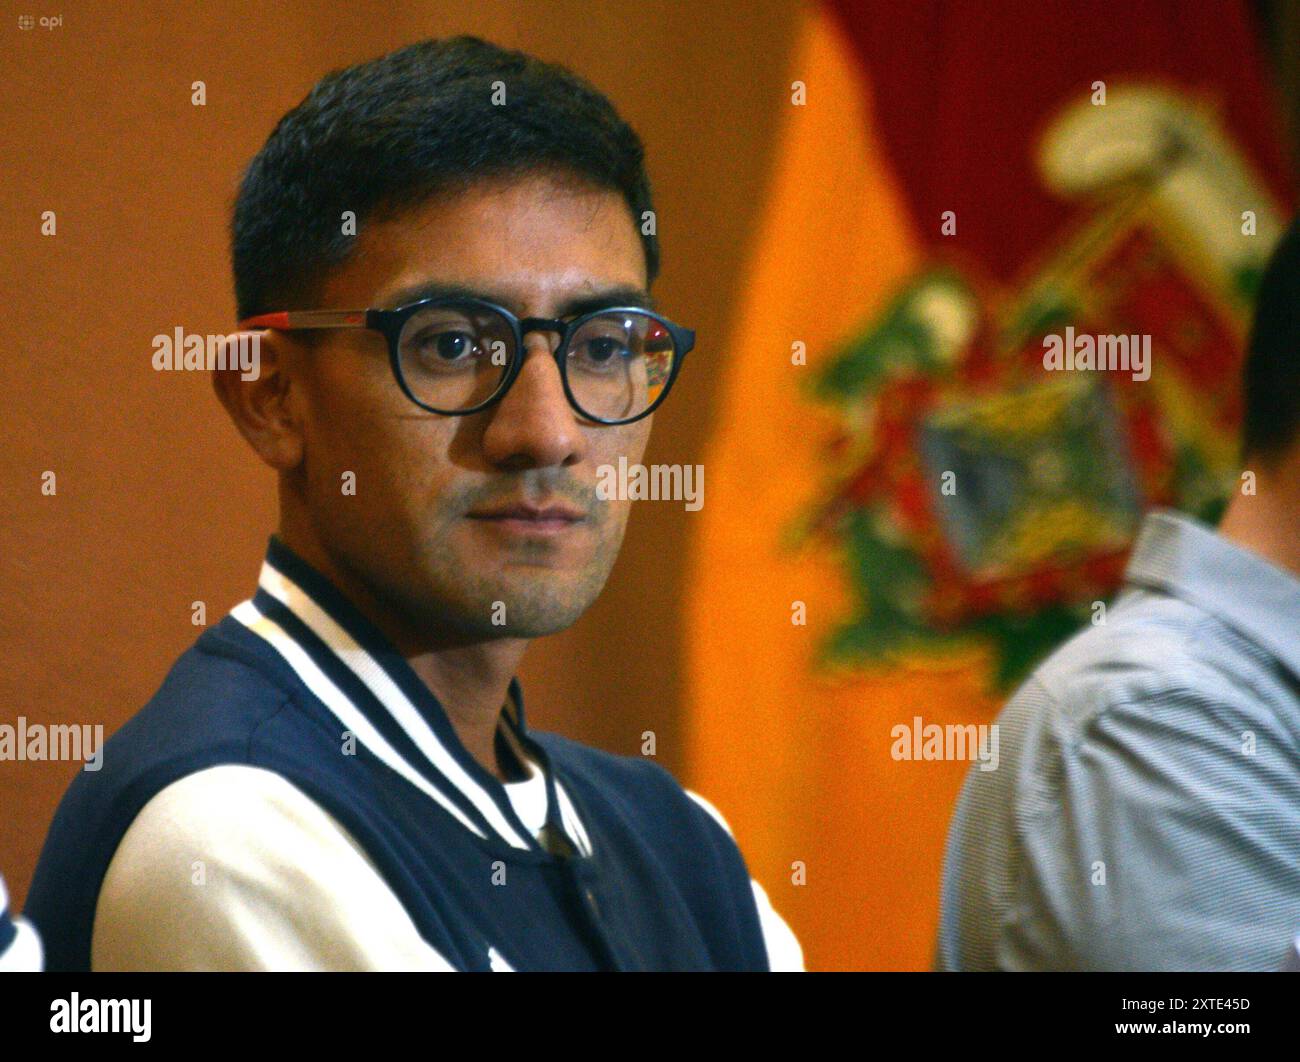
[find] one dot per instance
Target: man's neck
(1266, 522)
(472, 684)
(470, 680)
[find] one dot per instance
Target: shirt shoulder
(1151, 649)
(234, 868)
(1162, 697)
(1145, 774)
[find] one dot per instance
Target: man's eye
(443, 346)
(602, 350)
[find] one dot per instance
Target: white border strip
(378, 681)
(343, 709)
(569, 817)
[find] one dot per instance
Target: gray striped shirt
(1145, 814)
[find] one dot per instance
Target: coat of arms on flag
(998, 448)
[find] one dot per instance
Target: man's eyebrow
(621, 295)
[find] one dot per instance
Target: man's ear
(263, 402)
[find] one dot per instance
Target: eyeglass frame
(390, 323)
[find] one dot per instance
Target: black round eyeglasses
(457, 356)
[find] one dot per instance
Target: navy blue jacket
(282, 682)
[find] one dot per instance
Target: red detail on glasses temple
(266, 320)
(287, 320)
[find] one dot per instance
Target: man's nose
(534, 425)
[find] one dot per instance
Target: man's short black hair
(389, 134)
(1272, 376)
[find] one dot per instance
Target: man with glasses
(339, 775)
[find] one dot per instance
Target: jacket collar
(1180, 556)
(376, 697)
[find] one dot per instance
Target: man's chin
(517, 602)
(534, 612)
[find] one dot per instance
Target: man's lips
(533, 519)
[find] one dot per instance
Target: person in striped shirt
(1144, 812)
